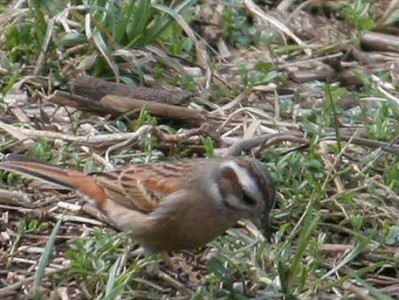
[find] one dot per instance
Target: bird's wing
(145, 187)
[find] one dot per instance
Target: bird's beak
(264, 225)
(257, 220)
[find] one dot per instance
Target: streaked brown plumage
(168, 206)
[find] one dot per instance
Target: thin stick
(12, 287)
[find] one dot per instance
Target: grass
(335, 226)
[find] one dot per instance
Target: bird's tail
(55, 175)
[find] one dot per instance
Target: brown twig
(96, 89)
(267, 140)
(387, 147)
(119, 105)
(165, 137)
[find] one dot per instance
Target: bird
(168, 206)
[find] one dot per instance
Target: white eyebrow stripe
(245, 179)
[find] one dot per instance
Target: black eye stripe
(229, 206)
(248, 199)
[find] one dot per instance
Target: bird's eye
(248, 199)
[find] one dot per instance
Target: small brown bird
(168, 206)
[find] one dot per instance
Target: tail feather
(22, 158)
(55, 175)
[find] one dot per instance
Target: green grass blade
(335, 116)
(373, 291)
(164, 22)
(45, 260)
(310, 222)
(112, 288)
(105, 52)
(141, 19)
